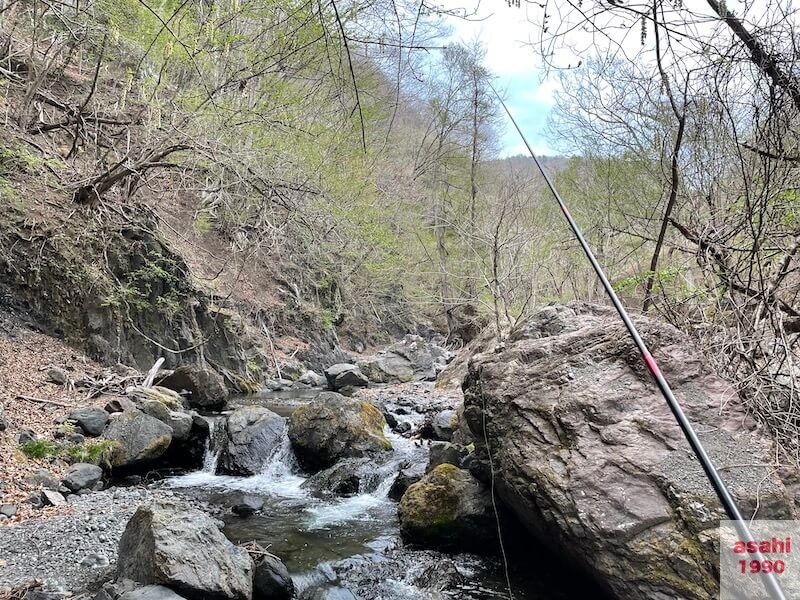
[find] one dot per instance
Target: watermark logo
(774, 550)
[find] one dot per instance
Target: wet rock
(448, 508)
(151, 592)
(444, 425)
(205, 389)
(181, 424)
(409, 474)
(251, 435)
(140, 438)
(347, 477)
(402, 427)
(271, 580)
(588, 456)
(312, 378)
(91, 419)
(57, 376)
(442, 453)
(81, 476)
(248, 506)
(342, 375)
(8, 510)
(182, 548)
(52, 498)
(333, 427)
(166, 396)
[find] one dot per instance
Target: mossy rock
(448, 509)
(333, 427)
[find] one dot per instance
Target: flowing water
(331, 545)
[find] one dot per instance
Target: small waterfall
(213, 444)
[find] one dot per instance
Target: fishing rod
(728, 503)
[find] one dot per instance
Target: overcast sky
(504, 32)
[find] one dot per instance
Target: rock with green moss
(333, 427)
(140, 438)
(450, 509)
(171, 399)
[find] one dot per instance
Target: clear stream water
(334, 545)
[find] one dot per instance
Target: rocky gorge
(559, 475)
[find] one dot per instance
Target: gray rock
(344, 375)
(348, 477)
(271, 580)
(247, 506)
(408, 475)
(588, 456)
(3, 421)
(52, 498)
(251, 435)
(154, 408)
(57, 376)
(82, 476)
(448, 508)
(333, 427)
(181, 424)
(119, 404)
(26, 436)
(442, 453)
(182, 548)
(43, 478)
(95, 560)
(413, 358)
(140, 438)
(312, 378)
(292, 369)
(151, 592)
(91, 419)
(168, 397)
(387, 368)
(205, 388)
(445, 424)
(8, 510)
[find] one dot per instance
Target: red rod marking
(651, 364)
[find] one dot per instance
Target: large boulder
(448, 508)
(271, 580)
(345, 376)
(182, 548)
(251, 435)
(412, 358)
(139, 438)
(587, 454)
(91, 419)
(333, 427)
(205, 388)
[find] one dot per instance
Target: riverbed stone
(450, 509)
(408, 475)
(333, 427)
(166, 543)
(8, 510)
(139, 438)
(252, 433)
(312, 378)
(151, 592)
(81, 476)
(587, 455)
(91, 419)
(271, 580)
(344, 375)
(444, 424)
(205, 388)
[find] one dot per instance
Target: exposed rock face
(91, 419)
(206, 389)
(140, 438)
(410, 359)
(588, 456)
(448, 508)
(183, 549)
(251, 435)
(344, 375)
(445, 424)
(333, 427)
